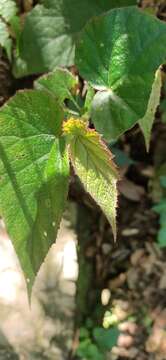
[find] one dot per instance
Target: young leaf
(34, 173)
(119, 54)
(59, 83)
(51, 29)
(146, 122)
(93, 164)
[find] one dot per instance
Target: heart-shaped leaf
(34, 173)
(119, 54)
(93, 164)
(50, 30)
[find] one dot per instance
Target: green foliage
(34, 173)
(62, 85)
(105, 338)
(52, 27)
(163, 110)
(88, 100)
(146, 122)
(59, 83)
(96, 346)
(8, 19)
(89, 351)
(93, 164)
(160, 209)
(121, 157)
(8, 9)
(162, 107)
(122, 67)
(119, 54)
(5, 40)
(34, 169)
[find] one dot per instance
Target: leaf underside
(34, 173)
(94, 166)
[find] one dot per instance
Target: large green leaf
(50, 30)
(93, 164)
(33, 175)
(119, 53)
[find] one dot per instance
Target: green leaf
(89, 351)
(5, 40)
(34, 173)
(16, 29)
(60, 83)
(121, 158)
(119, 54)
(161, 237)
(146, 122)
(93, 164)
(106, 338)
(4, 34)
(51, 28)
(160, 208)
(8, 9)
(19, 68)
(163, 181)
(88, 100)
